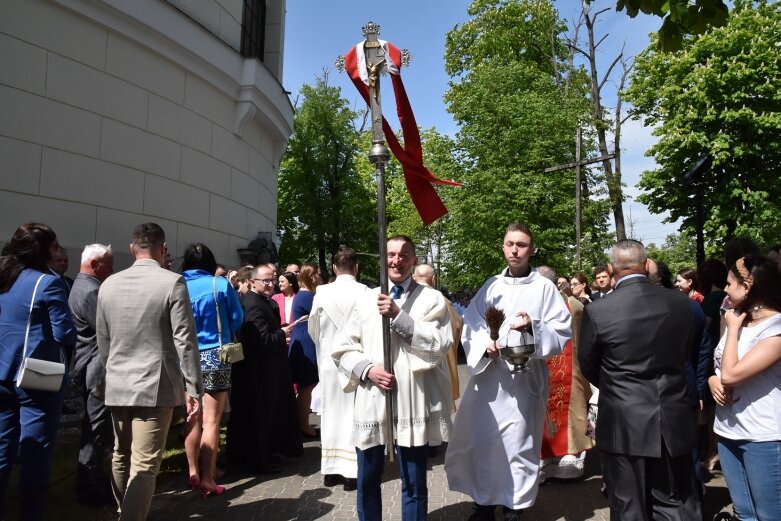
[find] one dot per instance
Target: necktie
(396, 292)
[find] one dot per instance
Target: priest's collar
(508, 273)
(530, 275)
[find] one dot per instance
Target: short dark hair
(599, 268)
(738, 247)
(292, 279)
(148, 235)
(663, 275)
(405, 239)
(765, 284)
(197, 256)
(711, 273)
(346, 259)
(520, 226)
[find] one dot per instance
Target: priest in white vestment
(421, 337)
(494, 452)
(332, 304)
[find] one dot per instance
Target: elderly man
(420, 338)
(424, 274)
(97, 439)
(148, 344)
(331, 307)
(494, 455)
(633, 347)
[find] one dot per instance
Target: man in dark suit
(603, 280)
(97, 436)
(264, 418)
(633, 346)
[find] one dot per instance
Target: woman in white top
(747, 390)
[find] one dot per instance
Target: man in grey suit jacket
(147, 340)
(633, 346)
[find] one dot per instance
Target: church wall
(123, 111)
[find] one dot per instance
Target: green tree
(718, 96)
(324, 200)
(518, 113)
(441, 157)
(681, 17)
(678, 252)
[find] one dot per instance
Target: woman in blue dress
(203, 433)
(303, 355)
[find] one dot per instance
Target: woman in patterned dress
(203, 434)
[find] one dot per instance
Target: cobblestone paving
(298, 494)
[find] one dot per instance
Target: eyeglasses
(267, 282)
(576, 284)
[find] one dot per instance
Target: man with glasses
(263, 420)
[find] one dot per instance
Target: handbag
(35, 374)
(232, 352)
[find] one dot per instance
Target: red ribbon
(418, 178)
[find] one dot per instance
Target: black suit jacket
(633, 346)
(261, 330)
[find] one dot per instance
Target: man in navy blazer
(633, 347)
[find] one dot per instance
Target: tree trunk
(613, 180)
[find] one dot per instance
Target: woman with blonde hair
(303, 355)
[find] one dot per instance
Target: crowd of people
(629, 364)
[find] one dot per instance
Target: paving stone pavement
(298, 494)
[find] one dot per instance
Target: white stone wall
(118, 112)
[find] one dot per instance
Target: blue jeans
(412, 470)
(752, 470)
(28, 424)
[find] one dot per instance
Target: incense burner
(518, 356)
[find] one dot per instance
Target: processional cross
(376, 62)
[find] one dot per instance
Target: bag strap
(30, 316)
(217, 305)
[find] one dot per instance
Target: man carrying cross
(421, 336)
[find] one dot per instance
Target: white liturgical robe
(331, 306)
(420, 338)
(494, 452)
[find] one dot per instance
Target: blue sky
(317, 31)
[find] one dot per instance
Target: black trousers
(97, 442)
(642, 489)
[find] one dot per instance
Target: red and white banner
(418, 178)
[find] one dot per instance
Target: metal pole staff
(378, 156)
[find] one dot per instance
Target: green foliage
(324, 201)
(441, 157)
(719, 96)
(681, 17)
(678, 251)
(516, 119)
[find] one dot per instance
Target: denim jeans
(752, 470)
(412, 470)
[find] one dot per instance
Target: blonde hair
(306, 277)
